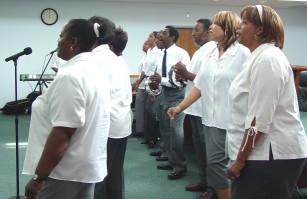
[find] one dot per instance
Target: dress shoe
(161, 158)
(176, 174)
(144, 142)
(207, 195)
(151, 144)
(155, 153)
(165, 167)
(198, 186)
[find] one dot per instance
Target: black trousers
(273, 179)
(112, 187)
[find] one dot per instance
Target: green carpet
(143, 180)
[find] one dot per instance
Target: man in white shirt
(202, 40)
(171, 131)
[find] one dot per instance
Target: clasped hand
(180, 70)
(33, 188)
(173, 111)
(233, 171)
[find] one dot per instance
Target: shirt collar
(230, 51)
(79, 57)
(170, 48)
(256, 52)
(101, 47)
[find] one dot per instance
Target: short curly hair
(120, 41)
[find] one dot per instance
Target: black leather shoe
(155, 153)
(161, 158)
(176, 174)
(165, 167)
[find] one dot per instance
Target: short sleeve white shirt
(214, 81)
(200, 55)
(121, 91)
(265, 90)
(78, 98)
(142, 68)
(150, 62)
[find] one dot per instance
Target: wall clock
(49, 16)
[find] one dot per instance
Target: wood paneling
(185, 40)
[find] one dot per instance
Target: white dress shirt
(199, 56)
(151, 59)
(265, 90)
(121, 91)
(78, 98)
(142, 68)
(214, 80)
(174, 55)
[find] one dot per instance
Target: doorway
(185, 40)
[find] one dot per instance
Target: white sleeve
(267, 83)
(66, 102)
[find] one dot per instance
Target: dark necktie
(164, 65)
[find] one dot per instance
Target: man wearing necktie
(172, 134)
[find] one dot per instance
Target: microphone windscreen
(27, 51)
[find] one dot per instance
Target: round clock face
(49, 16)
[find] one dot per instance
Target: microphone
(26, 51)
(53, 51)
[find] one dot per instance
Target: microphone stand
(16, 137)
(40, 78)
(16, 125)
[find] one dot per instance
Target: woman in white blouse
(219, 69)
(266, 140)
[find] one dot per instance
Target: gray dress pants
(172, 133)
(151, 124)
(140, 105)
(198, 136)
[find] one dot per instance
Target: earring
(71, 48)
(256, 37)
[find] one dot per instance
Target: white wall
(20, 27)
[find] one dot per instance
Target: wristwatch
(36, 178)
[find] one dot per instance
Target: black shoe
(165, 167)
(176, 174)
(144, 142)
(155, 153)
(161, 158)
